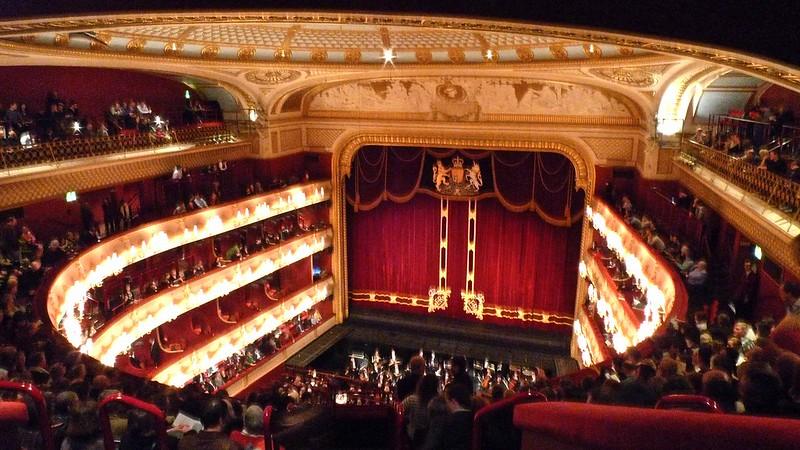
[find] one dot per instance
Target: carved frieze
(462, 98)
(271, 76)
(636, 77)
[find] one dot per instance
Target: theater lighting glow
(583, 344)
(71, 196)
(68, 293)
(646, 271)
(388, 56)
(201, 359)
(119, 335)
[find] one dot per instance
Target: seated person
(774, 163)
(151, 288)
(199, 326)
(252, 435)
(175, 278)
(214, 419)
(685, 261)
(233, 253)
(199, 202)
(698, 274)
(198, 269)
(180, 208)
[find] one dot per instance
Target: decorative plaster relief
(468, 98)
(271, 76)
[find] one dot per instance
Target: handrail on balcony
(56, 151)
(757, 132)
(775, 190)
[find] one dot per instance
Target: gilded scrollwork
(246, 53)
(525, 54)
(270, 77)
(636, 77)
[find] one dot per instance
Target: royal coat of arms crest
(457, 179)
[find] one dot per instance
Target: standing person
(408, 383)
(415, 408)
(748, 291)
(458, 425)
(460, 376)
(125, 215)
(108, 216)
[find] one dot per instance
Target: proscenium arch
(345, 149)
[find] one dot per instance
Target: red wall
(776, 96)
(54, 217)
(93, 89)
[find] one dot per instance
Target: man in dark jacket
(212, 437)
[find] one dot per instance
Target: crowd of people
(32, 351)
(62, 119)
(747, 140)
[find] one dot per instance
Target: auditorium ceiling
(373, 67)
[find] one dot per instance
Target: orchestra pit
(406, 229)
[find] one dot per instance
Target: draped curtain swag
(538, 182)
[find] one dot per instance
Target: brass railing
(774, 189)
(57, 151)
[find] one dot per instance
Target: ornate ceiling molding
(621, 44)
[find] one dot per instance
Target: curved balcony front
(121, 332)
(662, 290)
(68, 293)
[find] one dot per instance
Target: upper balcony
(28, 158)
(764, 206)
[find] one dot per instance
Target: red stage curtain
(528, 232)
(394, 247)
(523, 262)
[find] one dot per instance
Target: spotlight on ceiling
(388, 56)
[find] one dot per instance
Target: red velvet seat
(492, 426)
(11, 416)
(584, 426)
(698, 403)
(131, 402)
(267, 428)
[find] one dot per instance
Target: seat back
(683, 402)
(563, 425)
(131, 402)
(12, 416)
(493, 426)
(41, 410)
(267, 428)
